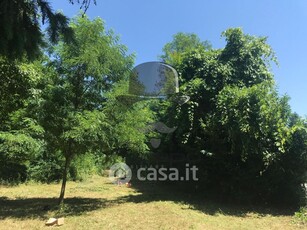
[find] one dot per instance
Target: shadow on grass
(24, 208)
(154, 191)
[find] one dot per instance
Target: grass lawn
(98, 204)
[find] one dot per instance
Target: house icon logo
(120, 173)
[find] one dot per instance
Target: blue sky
(145, 26)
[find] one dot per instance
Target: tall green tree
(76, 114)
(21, 30)
(182, 42)
(235, 121)
(204, 73)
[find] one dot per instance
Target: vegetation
(21, 34)
(61, 107)
(61, 117)
(248, 144)
(301, 215)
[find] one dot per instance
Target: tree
(235, 123)
(182, 42)
(20, 26)
(15, 87)
(21, 137)
(129, 122)
(74, 113)
(85, 4)
(204, 73)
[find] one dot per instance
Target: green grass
(99, 204)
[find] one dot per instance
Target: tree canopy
(236, 125)
(182, 42)
(20, 26)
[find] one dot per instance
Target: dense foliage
(20, 26)
(61, 117)
(242, 134)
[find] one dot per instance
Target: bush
(12, 173)
(46, 170)
(301, 215)
(82, 166)
(16, 151)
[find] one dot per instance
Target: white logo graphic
(120, 173)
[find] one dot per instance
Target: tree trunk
(67, 162)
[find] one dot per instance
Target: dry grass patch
(98, 204)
